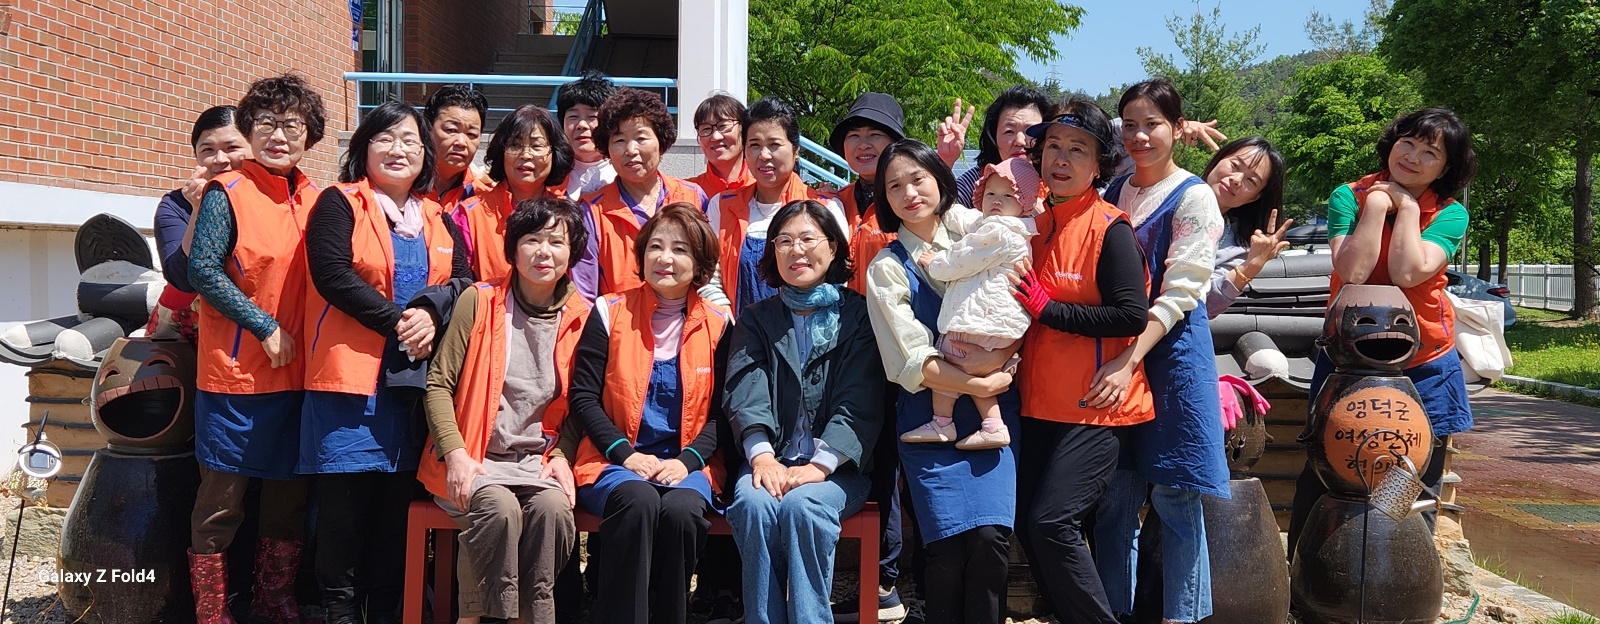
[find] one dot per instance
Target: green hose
(1470, 610)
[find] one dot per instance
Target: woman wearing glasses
(528, 158)
(635, 130)
(248, 265)
(716, 122)
(372, 242)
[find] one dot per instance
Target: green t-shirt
(1447, 231)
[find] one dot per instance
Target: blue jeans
(787, 545)
(1185, 559)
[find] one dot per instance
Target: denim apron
(660, 435)
(1182, 446)
(953, 491)
(752, 287)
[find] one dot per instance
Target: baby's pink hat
(1020, 173)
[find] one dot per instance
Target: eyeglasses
(725, 128)
(385, 143)
(292, 127)
(786, 244)
(536, 148)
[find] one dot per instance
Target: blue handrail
(822, 173)
(813, 147)
(823, 170)
(594, 18)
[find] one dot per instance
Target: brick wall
(100, 94)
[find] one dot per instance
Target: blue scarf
(822, 325)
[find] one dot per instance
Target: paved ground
(1530, 472)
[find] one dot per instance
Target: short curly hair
(287, 93)
(1461, 162)
(533, 215)
(629, 103)
(697, 233)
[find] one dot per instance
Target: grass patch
(1547, 346)
(1570, 618)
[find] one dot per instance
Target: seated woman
(494, 404)
(647, 370)
(806, 400)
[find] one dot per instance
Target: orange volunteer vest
(269, 266)
(344, 355)
(735, 220)
(486, 223)
(617, 228)
(867, 238)
(1057, 367)
(631, 352)
(483, 377)
(1436, 318)
(714, 184)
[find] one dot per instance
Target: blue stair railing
(583, 46)
(665, 85)
(823, 165)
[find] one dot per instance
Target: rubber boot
(208, 577)
(277, 562)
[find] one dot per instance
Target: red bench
(424, 516)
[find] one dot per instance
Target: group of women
(574, 329)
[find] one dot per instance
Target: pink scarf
(404, 220)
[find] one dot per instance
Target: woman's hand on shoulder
(767, 473)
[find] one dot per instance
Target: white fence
(1542, 286)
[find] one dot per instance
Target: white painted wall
(713, 54)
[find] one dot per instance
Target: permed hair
(592, 90)
(1018, 96)
(287, 93)
(696, 229)
(456, 96)
(629, 103)
(533, 215)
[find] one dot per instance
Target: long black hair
(926, 158)
(1252, 216)
(386, 116)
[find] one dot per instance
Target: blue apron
(752, 287)
(660, 432)
(1182, 446)
(342, 432)
(953, 491)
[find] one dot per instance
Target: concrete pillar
(713, 54)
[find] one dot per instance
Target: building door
(381, 49)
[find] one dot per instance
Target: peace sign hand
(953, 133)
(1265, 246)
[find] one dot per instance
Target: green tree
(1528, 69)
(1333, 40)
(1332, 119)
(820, 54)
(1211, 76)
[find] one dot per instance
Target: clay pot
(1356, 564)
(1246, 442)
(1370, 329)
(142, 399)
(125, 536)
(1359, 425)
(1249, 578)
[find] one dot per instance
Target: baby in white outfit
(978, 308)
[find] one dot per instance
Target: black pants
(886, 492)
(1061, 476)
(361, 536)
(649, 541)
(1309, 488)
(966, 576)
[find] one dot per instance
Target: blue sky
(1101, 53)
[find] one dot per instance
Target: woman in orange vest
(497, 459)
(372, 242)
(1086, 290)
(455, 115)
(874, 121)
(716, 122)
(528, 158)
(963, 501)
(646, 386)
(771, 133)
(635, 130)
(247, 262)
(1400, 226)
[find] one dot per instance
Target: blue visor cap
(1036, 131)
